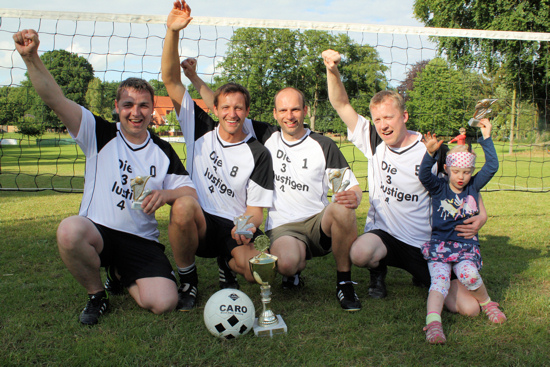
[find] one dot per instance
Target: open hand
(431, 143)
(179, 17)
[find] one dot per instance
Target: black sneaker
(294, 282)
(347, 297)
(112, 284)
(97, 305)
(187, 297)
(377, 287)
(228, 278)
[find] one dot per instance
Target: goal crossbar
(283, 24)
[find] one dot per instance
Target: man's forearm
(170, 59)
(206, 93)
(69, 112)
(336, 92)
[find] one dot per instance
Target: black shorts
(218, 240)
(133, 257)
(404, 256)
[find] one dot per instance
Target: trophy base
(136, 206)
(270, 330)
(473, 122)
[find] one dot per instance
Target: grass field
(40, 303)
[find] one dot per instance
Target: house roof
(202, 105)
(164, 105)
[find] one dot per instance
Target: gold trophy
(335, 178)
(264, 270)
(482, 109)
(138, 188)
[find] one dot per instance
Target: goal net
(89, 54)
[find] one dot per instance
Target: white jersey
(229, 177)
(301, 172)
(399, 203)
(111, 162)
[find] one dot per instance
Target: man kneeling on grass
(107, 232)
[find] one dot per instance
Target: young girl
(454, 200)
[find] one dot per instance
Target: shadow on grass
(503, 262)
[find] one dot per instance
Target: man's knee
(461, 301)
(291, 254)
(289, 266)
(158, 295)
(467, 306)
(184, 211)
(65, 234)
(240, 261)
(71, 233)
(366, 251)
(341, 216)
(164, 305)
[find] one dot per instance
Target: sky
(389, 12)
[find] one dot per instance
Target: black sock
(343, 276)
(100, 294)
(188, 275)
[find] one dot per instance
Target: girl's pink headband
(461, 159)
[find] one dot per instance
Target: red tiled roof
(164, 105)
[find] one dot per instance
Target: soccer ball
(229, 313)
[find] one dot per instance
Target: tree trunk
(312, 112)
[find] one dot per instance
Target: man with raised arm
(302, 223)
(233, 173)
(398, 221)
(107, 232)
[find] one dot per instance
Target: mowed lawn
(40, 301)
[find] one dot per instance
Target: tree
(28, 126)
(407, 86)
(72, 73)
(159, 87)
(441, 98)
(266, 60)
(12, 105)
(100, 98)
(523, 66)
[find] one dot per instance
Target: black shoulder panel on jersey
(263, 130)
(203, 122)
(333, 156)
(375, 139)
(176, 166)
(105, 131)
(263, 165)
